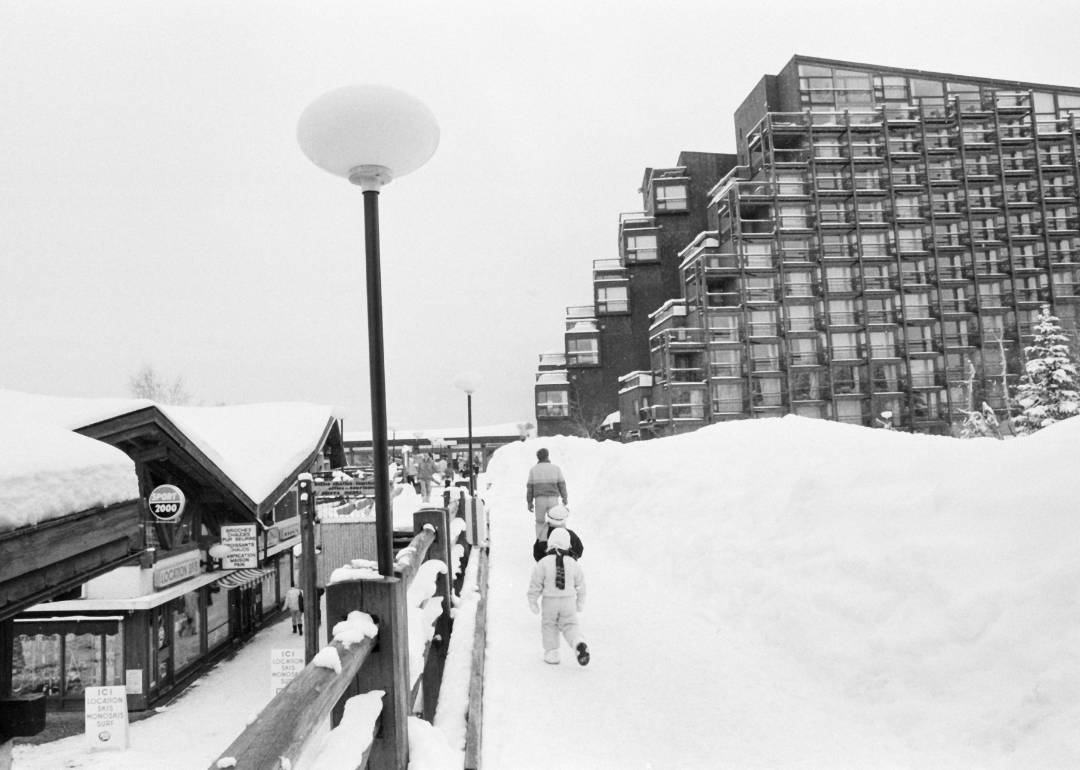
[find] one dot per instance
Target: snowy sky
(155, 207)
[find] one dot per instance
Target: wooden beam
(66, 537)
(289, 720)
(435, 658)
(475, 720)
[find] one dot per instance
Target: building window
(725, 362)
(723, 328)
(612, 299)
(553, 403)
(850, 412)
(641, 248)
(766, 391)
(727, 398)
(582, 351)
(670, 197)
(806, 385)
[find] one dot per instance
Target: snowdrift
(928, 582)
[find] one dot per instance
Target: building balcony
(923, 380)
(609, 270)
(636, 219)
(798, 325)
(663, 413)
(678, 339)
(762, 295)
(762, 329)
(879, 283)
(811, 358)
(635, 380)
(579, 314)
(723, 299)
(729, 406)
(879, 352)
(881, 317)
(549, 361)
(726, 370)
(1051, 127)
(918, 346)
(950, 307)
(846, 353)
(686, 374)
(765, 365)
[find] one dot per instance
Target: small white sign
(107, 718)
(133, 681)
(245, 547)
(284, 666)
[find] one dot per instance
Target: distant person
(425, 472)
(557, 517)
(410, 473)
(294, 601)
(442, 469)
(545, 488)
(559, 580)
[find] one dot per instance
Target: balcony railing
(726, 370)
(728, 406)
(845, 318)
(766, 364)
(723, 298)
(762, 329)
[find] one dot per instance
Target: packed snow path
(796, 594)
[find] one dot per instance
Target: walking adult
(425, 470)
(545, 488)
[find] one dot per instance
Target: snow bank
(926, 583)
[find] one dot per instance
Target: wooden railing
(283, 730)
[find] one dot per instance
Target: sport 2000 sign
(166, 503)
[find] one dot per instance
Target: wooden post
(7, 652)
(309, 566)
(440, 642)
(387, 667)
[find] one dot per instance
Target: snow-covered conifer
(1049, 390)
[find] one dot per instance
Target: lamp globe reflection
(371, 135)
(367, 133)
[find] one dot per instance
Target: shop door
(161, 642)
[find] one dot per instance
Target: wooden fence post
(387, 668)
(309, 566)
(440, 642)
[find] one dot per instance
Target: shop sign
(168, 574)
(245, 547)
(167, 502)
(107, 718)
(282, 531)
(284, 666)
(133, 681)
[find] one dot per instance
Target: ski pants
(559, 613)
(541, 505)
(425, 489)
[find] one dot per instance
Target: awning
(242, 578)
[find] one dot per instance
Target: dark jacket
(540, 546)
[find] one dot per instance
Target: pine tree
(1049, 390)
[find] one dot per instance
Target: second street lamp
(371, 135)
(469, 382)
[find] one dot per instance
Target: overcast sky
(155, 207)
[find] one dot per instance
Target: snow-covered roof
(256, 446)
(610, 420)
(47, 472)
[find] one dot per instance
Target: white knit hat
(557, 516)
(559, 538)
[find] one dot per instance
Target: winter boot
(551, 656)
(582, 654)
(294, 628)
(301, 627)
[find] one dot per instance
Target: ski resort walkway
(668, 686)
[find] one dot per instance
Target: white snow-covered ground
(769, 594)
(797, 594)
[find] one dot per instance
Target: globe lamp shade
(469, 382)
(367, 125)
(220, 551)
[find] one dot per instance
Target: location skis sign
(284, 666)
(107, 718)
(167, 503)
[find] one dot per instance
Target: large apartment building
(578, 387)
(877, 255)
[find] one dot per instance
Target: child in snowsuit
(557, 517)
(294, 600)
(558, 578)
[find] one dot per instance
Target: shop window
(553, 403)
(671, 197)
(62, 664)
(217, 617)
(187, 623)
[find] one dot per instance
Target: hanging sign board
(245, 547)
(167, 503)
(284, 666)
(107, 718)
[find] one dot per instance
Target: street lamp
(371, 135)
(392, 427)
(469, 382)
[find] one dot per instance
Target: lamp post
(371, 135)
(392, 427)
(469, 382)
